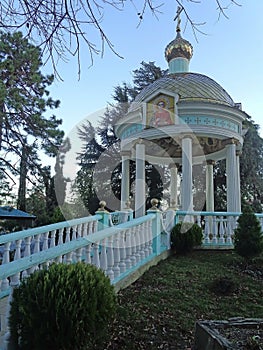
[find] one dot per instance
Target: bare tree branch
(62, 27)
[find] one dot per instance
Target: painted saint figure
(161, 116)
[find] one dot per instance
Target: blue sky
(231, 53)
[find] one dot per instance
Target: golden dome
(179, 47)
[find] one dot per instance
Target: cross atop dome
(178, 18)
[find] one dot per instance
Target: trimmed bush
(185, 236)
(248, 240)
(61, 308)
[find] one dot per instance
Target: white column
(187, 182)
(231, 174)
(238, 196)
(125, 179)
(209, 186)
(140, 180)
(173, 186)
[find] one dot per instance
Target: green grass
(159, 310)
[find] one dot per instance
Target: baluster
(90, 228)
(133, 246)
(16, 277)
(18, 250)
(122, 252)
(6, 260)
(53, 238)
(95, 226)
(207, 238)
(215, 230)
(127, 241)
(137, 243)
(235, 218)
(79, 231)
(110, 260)
(78, 254)
(27, 252)
(67, 239)
(142, 241)
(88, 254)
(221, 230)
(95, 257)
(198, 220)
(37, 243)
(68, 258)
(229, 230)
(74, 233)
(150, 237)
(116, 252)
(146, 239)
(60, 236)
(103, 255)
(85, 230)
(45, 241)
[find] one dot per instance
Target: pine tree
(248, 235)
(24, 99)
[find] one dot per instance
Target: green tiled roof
(190, 87)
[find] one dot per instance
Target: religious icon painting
(160, 111)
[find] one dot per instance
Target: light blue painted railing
(117, 250)
(218, 227)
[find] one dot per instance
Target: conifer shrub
(248, 239)
(185, 236)
(65, 307)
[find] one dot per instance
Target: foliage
(248, 240)
(63, 307)
(24, 98)
(251, 168)
(185, 236)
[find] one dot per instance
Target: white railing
(16, 245)
(218, 227)
(119, 217)
(117, 250)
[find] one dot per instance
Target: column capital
(187, 136)
(125, 153)
(231, 141)
(210, 162)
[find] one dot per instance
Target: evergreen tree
(248, 235)
(24, 99)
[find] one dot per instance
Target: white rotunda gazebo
(182, 119)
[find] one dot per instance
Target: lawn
(160, 309)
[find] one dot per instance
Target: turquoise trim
(207, 213)
(210, 121)
(131, 130)
(179, 65)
